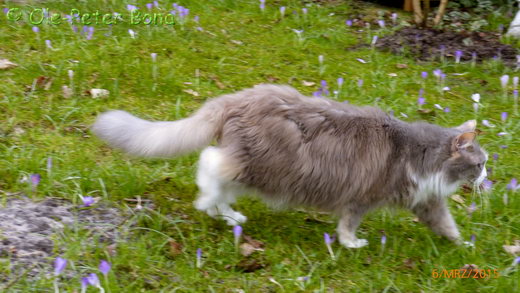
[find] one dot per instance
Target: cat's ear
(468, 126)
(463, 141)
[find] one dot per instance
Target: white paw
(356, 243)
(203, 204)
(469, 244)
(235, 219)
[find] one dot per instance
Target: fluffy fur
(294, 150)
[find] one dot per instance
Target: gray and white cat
(293, 150)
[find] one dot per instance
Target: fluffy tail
(160, 139)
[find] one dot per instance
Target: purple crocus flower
(93, 280)
(486, 123)
(49, 164)
(458, 55)
(424, 74)
(348, 22)
(35, 179)
(487, 184)
(502, 133)
(421, 101)
(383, 239)
(282, 10)
(515, 82)
(237, 232)
(262, 5)
(199, 257)
(495, 156)
(360, 82)
(132, 33)
(156, 4)
(504, 79)
(130, 7)
(516, 261)
(48, 44)
(473, 238)
(503, 116)
(447, 110)
(104, 267)
(305, 10)
(35, 29)
(327, 238)
(513, 185)
(149, 6)
(472, 208)
(6, 10)
(154, 57)
(374, 40)
(394, 17)
(88, 201)
(196, 18)
(437, 73)
(474, 56)
(84, 284)
(75, 29)
(316, 94)
(90, 32)
(515, 94)
(340, 81)
(59, 265)
(381, 23)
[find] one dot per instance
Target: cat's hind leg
(347, 227)
(217, 191)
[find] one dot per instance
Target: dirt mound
(431, 44)
(28, 230)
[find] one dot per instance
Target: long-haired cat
(293, 150)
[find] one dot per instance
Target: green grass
(240, 46)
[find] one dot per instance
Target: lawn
(165, 72)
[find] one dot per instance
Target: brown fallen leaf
(98, 93)
(308, 83)
(401, 66)
(191, 92)
(43, 82)
(513, 249)
(457, 198)
(175, 248)
(253, 242)
(66, 91)
(247, 249)
(471, 271)
(6, 64)
(217, 81)
(249, 265)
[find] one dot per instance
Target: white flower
(475, 97)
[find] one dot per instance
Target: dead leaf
(470, 270)
(175, 248)
(247, 249)
(6, 64)
(248, 265)
(457, 198)
(66, 91)
(513, 249)
(237, 42)
(191, 92)
(401, 66)
(44, 82)
(98, 93)
(409, 263)
(253, 242)
(219, 84)
(308, 83)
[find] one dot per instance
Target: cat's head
(467, 162)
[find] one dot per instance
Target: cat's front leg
(347, 227)
(435, 213)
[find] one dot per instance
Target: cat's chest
(431, 185)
